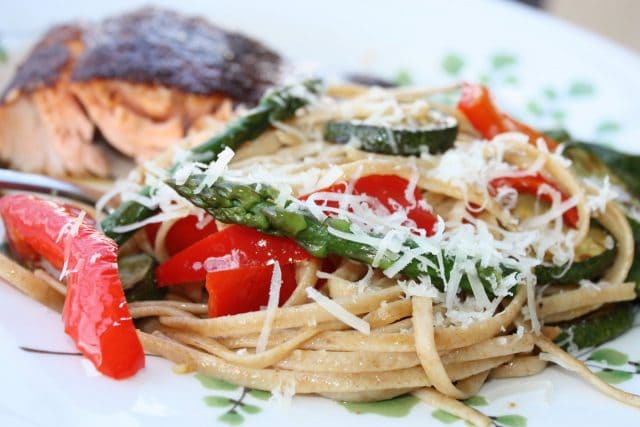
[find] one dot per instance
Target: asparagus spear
(254, 206)
(276, 105)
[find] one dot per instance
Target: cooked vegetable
(625, 166)
(234, 248)
(592, 260)
(435, 135)
(478, 107)
(274, 106)
(138, 278)
(95, 312)
(559, 135)
(531, 185)
(183, 233)
(390, 191)
(598, 327)
(590, 160)
(246, 289)
(254, 206)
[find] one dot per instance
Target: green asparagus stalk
(276, 105)
(254, 206)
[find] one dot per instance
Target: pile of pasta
(310, 350)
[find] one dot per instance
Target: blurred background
(618, 20)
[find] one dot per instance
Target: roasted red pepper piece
(183, 234)
(478, 107)
(95, 312)
(530, 185)
(390, 190)
(246, 289)
(235, 247)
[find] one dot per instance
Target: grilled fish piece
(141, 79)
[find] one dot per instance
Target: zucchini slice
(137, 274)
(592, 259)
(591, 160)
(596, 328)
(434, 134)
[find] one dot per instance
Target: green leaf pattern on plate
(502, 60)
(394, 408)
(214, 383)
(4, 54)
(403, 78)
(609, 356)
(236, 407)
(581, 88)
(614, 376)
(614, 366)
(452, 64)
(444, 416)
(477, 401)
(509, 420)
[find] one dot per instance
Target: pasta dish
(352, 242)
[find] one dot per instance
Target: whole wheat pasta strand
(160, 244)
(60, 287)
(571, 314)
(333, 341)
(389, 313)
(427, 350)
(289, 317)
(472, 385)
(494, 347)
(305, 382)
(306, 276)
(404, 325)
(342, 281)
(459, 409)
(519, 366)
(448, 338)
(31, 285)
(367, 396)
(138, 312)
(617, 224)
(347, 361)
(558, 356)
(455, 337)
(585, 297)
(270, 379)
(251, 360)
(191, 307)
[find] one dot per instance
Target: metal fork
(14, 180)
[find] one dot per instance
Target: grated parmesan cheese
(272, 306)
(68, 232)
(339, 312)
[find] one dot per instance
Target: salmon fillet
(140, 80)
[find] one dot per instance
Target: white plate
(542, 70)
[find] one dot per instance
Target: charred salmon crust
(45, 63)
(156, 46)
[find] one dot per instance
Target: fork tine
(14, 180)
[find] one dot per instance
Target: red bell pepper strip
(246, 289)
(530, 185)
(183, 234)
(390, 191)
(235, 247)
(95, 312)
(477, 106)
